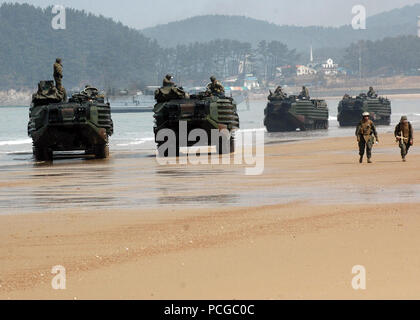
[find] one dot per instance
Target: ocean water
(134, 132)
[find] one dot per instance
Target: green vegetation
(98, 51)
(104, 53)
(386, 57)
(94, 49)
(224, 58)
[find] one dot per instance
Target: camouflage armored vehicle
(199, 111)
(350, 110)
(292, 113)
(82, 124)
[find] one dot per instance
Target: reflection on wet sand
(205, 200)
(293, 172)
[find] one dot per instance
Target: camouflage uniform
(279, 93)
(371, 93)
(215, 87)
(365, 132)
(58, 76)
(404, 134)
(167, 82)
(304, 94)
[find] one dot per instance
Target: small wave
(15, 142)
(251, 130)
(22, 152)
(134, 143)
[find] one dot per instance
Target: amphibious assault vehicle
(83, 123)
(350, 110)
(182, 113)
(292, 113)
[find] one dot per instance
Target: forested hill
(94, 49)
(98, 51)
(205, 28)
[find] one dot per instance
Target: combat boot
(404, 160)
(369, 161)
(361, 159)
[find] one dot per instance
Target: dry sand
(283, 248)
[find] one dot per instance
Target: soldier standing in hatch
(58, 78)
(404, 134)
(167, 81)
(365, 133)
(215, 87)
(371, 93)
(280, 93)
(304, 94)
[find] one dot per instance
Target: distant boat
(130, 109)
(139, 103)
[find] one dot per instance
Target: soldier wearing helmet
(167, 81)
(280, 93)
(371, 93)
(404, 134)
(215, 87)
(304, 94)
(366, 133)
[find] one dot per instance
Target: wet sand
(129, 228)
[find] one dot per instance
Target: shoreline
(293, 249)
(260, 97)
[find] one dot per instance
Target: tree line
(101, 52)
(387, 57)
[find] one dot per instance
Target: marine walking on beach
(404, 134)
(58, 78)
(215, 87)
(366, 134)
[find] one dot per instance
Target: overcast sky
(146, 13)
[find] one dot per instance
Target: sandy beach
(128, 228)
